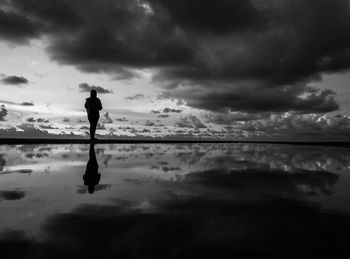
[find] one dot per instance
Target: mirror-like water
(173, 201)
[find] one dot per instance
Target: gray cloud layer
(14, 80)
(84, 87)
(224, 55)
(135, 97)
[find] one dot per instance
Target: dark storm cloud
(205, 52)
(210, 16)
(122, 119)
(144, 131)
(118, 36)
(17, 28)
(47, 127)
(190, 121)
(84, 87)
(27, 104)
(149, 123)
(3, 112)
(169, 110)
(254, 98)
(14, 80)
(15, 103)
(293, 43)
(166, 110)
(274, 52)
(40, 120)
(55, 15)
(135, 97)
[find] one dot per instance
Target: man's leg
(93, 125)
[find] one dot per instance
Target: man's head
(93, 93)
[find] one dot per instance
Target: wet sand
(183, 200)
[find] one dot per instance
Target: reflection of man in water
(91, 176)
(2, 162)
(93, 106)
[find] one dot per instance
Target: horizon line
(13, 141)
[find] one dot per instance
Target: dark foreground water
(174, 201)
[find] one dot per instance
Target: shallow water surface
(174, 201)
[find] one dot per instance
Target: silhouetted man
(93, 106)
(91, 176)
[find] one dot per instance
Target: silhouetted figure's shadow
(91, 176)
(93, 105)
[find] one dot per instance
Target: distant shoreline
(18, 141)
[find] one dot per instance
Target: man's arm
(99, 104)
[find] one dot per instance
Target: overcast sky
(267, 69)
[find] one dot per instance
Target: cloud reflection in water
(183, 201)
